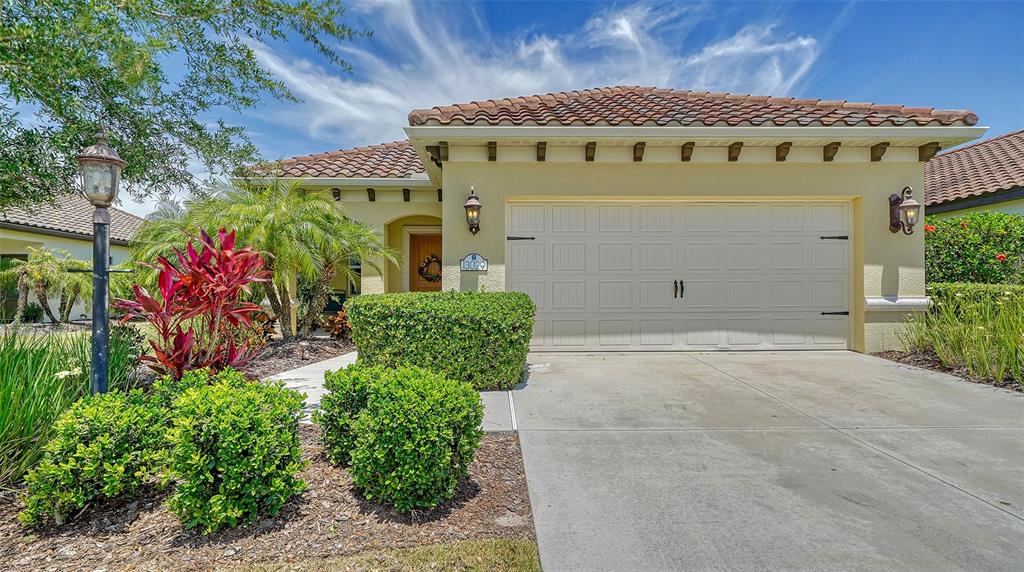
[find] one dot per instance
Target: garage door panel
(757, 276)
(568, 256)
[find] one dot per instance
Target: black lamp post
(100, 168)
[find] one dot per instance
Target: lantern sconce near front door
(473, 211)
(904, 211)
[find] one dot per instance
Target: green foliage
(40, 377)
(33, 313)
(152, 71)
(235, 452)
(975, 327)
(478, 337)
(348, 392)
(105, 445)
(968, 294)
(983, 247)
(416, 438)
(305, 233)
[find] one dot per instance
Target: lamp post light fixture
(100, 169)
(904, 211)
(473, 211)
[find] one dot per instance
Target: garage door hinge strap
(835, 313)
(520, 238)
(839, 237)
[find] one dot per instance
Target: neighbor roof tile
(989, 166)
(73, 215)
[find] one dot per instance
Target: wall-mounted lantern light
(904, 211)
(336, 193)
(473, 211)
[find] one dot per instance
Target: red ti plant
(199, 308)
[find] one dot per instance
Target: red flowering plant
(200, 309)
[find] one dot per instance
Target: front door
(424, 262)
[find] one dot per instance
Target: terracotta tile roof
(73, 215)
(989, 166)
(397, 159)
(636, 105)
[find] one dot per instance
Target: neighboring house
(66, 226)
(655, 219)
(985, 176)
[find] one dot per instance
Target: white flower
(68, 373)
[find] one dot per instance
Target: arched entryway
(418, 239)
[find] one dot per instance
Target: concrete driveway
(769, 461)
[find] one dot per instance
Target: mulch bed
(281, 356)
(929, 360)
(328, 520)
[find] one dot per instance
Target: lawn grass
(494, 555)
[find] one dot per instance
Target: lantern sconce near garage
(473, 211)
(904, 211)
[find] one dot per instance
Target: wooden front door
(424, 262)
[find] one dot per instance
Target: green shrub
(235, 452)
(478, 337)
(416, 438)
(348, 391)
(102, 446)
(40, 377)
(984, 247)
(963, 293)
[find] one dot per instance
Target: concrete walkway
(309, 379)
(769, 461)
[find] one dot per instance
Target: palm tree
(346, 240)
(73, 285)
(38, 273)
(304, 233)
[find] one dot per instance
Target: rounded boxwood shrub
(481, 338)
(103, 446)
(983, 247)
(348, 391)
(415, 439)
(235, 452)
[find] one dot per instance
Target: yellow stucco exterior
(884, 264)
(16, 242)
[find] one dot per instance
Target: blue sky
(933, 54)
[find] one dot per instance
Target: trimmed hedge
(983, 247)
(348, 391)
(415, 439)
(481, 338)
(965, 293)
(103, 446)
(235, 452)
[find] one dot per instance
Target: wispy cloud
(435, 54)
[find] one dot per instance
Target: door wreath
(424, 269)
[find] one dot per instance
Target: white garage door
(682, 276)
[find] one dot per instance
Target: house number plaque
(473, 262)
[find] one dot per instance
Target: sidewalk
(309, 379)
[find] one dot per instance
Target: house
(67, 225)
(645, 219)
(984, 176)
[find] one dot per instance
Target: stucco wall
(885, 264)
(16, 242)
(389, 206)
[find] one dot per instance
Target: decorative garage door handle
(682, 288)
(675, 288)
